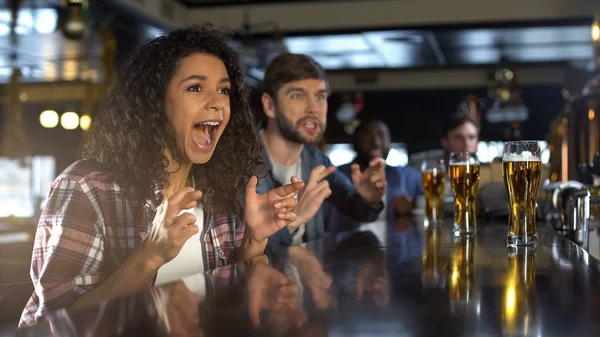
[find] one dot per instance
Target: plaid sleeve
(68, 249)
(226, 235)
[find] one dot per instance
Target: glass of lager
(464, 176)
(522, 167)
(434, 177)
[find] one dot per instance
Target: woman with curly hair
(166, 186)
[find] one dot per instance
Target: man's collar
(263, 150)
(269, 165)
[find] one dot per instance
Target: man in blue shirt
(372, 140)
(295, 102)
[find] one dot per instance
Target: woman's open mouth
(205, 133)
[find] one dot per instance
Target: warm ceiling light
(85, 122)
(49, 119)
(69, 120)
(75, 23)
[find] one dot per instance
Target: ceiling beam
(382, 14)
(340, 81)
(169, 13)
(441, 78)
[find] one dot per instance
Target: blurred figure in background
(295, 102)
(372, 140)
(461, 134)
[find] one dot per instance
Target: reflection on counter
(462, 291)
(520, 299)
(422, 282)
(432, 259)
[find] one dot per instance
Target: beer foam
(523, 156)
(461, 163)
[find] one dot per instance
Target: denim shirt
(400, 181)
(343, 196)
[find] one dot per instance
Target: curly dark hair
(130, 133)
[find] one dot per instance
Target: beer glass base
(522, 240)
(519, 250)
(432, 222)
(464, 231)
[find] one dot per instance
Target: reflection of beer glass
(522, 168)
(464, 176)
(431, 258)
(462, 269)
(520, 297)
(434, 177)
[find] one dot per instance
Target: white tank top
(189, 262)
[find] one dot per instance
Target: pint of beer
(434, 176)
(464, 175)
(522, 168)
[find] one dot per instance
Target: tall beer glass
(522, 168)
(464, 176)
(434, 176)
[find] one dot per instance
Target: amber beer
(465, 181)
(433, 186)
(522, 179)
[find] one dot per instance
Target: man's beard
(291, 133)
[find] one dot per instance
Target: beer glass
(434, 176)
(521, 167)
(464, 177)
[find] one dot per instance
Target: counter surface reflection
(399, 279)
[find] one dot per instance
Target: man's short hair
(455, 120)
(362, 127)
(287, 68)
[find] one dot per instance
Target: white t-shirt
(284, 174)
(379, 226)
(189, 263)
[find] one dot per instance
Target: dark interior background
(415, 117)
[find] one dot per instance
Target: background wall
(415, 117)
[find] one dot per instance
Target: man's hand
(312, 196)
(370, 183)
(267, 213)
(402, 204)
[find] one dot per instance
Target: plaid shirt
(89, 228)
